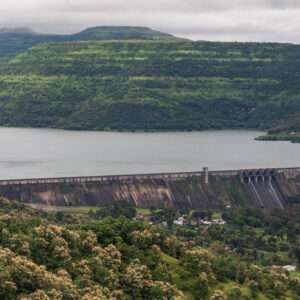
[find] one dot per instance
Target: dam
(267, 189)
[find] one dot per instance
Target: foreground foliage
(71, 257)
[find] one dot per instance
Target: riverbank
(291, 137)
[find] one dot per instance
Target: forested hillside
(13, 42)
(152, 83)
(64, 256)
(16, 40)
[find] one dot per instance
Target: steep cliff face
(188, 191)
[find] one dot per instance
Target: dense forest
(65, 256)
(136, 79)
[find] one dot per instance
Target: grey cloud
(284, 3)
(191, 6)
(244, 20)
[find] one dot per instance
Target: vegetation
(121, 33)
(292, 137)
(13, 42)
(145, 80)
(16, 40)
(64, 256)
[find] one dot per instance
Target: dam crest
(267, 189)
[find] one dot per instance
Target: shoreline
(283, 137)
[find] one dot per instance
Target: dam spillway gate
(264, 185)
(257, 176)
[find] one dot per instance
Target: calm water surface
(29, 153)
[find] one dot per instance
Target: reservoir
(34, 153)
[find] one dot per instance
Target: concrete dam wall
(264, 188)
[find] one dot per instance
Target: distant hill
(122, 33)
(152, 84)
(16, 40)
(16, 30)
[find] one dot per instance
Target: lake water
(31, 153)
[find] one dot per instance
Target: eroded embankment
(223, 190)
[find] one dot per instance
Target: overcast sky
(227, 20)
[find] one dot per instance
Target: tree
(234, 293)
(219, 295)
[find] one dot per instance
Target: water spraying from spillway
(256, 194)
(264, 187)
(276, 197)
(266, 195)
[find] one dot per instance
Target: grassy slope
(153, 84)
(123, 32)
(15, 41)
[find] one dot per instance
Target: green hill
(16, 30)
(151, 83)
(121, 33)
(16, 40)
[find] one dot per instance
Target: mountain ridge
(151, 84)
(14, 41)
(121, 32)
(16, 30)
